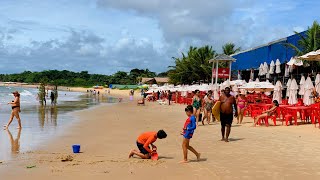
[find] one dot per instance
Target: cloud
(81, 50)
(215, 22)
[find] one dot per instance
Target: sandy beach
(107, 133)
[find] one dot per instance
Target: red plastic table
(297, 109)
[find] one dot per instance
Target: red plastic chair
(315, 115)
(306, 115)
(288, 116)
(285, 101)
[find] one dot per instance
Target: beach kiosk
(221, 72)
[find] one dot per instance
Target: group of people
(192, 112)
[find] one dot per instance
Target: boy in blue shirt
(188, 130)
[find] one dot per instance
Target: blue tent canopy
(252, 58)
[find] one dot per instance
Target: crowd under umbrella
(301, 89)
(277, 93)
(317, 83)
(288, 88)
(308, 87)
(278, 69)
(293, 90)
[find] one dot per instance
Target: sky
(106, 36)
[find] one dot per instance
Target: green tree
(308, 43)
(193, 67)
(230, 48)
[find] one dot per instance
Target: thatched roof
(162, 79)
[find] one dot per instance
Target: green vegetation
(193, 67)
(77, 79)
(230, 48)
(309, 43)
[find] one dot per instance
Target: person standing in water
(52, 98)
(15, 105)
(226, 113)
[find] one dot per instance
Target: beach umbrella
(278, 69)
(272, 65)
(288, 87)
(265, 68)
(215, 92)
(293, 89)
(251, 74)
(258, 86)
(268, 75)
(286, 71)
(239, 75)
(277, 93)
(317, 83)
(261, 70)
(295, 62)
(301, 90)
(311, 56)
(257, 80)
(308, 87)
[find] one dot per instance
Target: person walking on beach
(169, 96)
(242, 103)
(188, 130)
(208, 104)
(226, 113)
(196, 104)
(143, 142)
(52, 98)
(15, 105)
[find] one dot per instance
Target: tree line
(78, 79)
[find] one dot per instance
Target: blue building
(252, 58)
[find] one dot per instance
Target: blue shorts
(187, 134)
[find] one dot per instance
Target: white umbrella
(288, 87)
(215, 92)
(295, 61)
(286, 71)
(258, 86)
(265, 68)
(317, 83)
(301, 90)
(257, 80)
(308, 87)
(271, 71)
(293, 89)
(277, 94)
(261, 72)
(252, 74)
(278, 70)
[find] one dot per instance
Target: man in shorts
(226, 113)
(143, 142)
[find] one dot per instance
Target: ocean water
(39, 123)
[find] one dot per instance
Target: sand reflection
(15, 143)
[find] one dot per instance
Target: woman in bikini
(269, 112)
(196, 104)
(242, 103)
(208, 104)
(15, 105)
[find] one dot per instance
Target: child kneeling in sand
(143, 142)
(188, 130)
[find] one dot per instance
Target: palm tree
(308, 43)
(192, 67)
(230, 48)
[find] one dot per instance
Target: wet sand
(107, 133)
